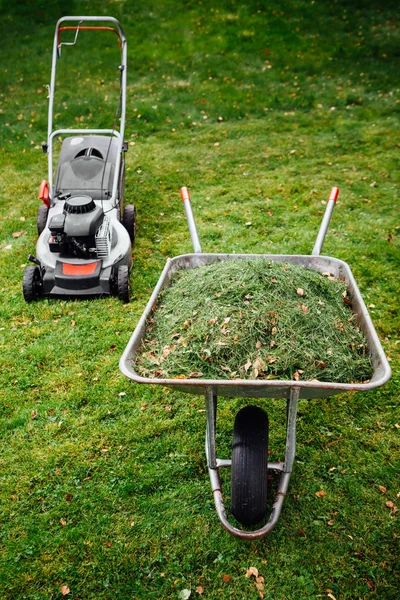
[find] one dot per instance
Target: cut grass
(249, 319)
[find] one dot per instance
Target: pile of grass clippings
(254, 319)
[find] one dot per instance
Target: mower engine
(81, 230)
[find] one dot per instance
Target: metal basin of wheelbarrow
(291, 390)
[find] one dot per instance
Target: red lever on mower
(44, 193)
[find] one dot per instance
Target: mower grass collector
(85, 233)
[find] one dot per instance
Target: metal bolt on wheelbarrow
(249, 462)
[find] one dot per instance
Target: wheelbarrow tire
(123, 284)
(249, 472)
(41, 218)
(31, 284)
(129, 221)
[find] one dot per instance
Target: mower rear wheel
(123, 284)
(249, 474)
(41, 218)
(129, 221)
(31, 284)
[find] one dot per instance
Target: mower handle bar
(123, 69)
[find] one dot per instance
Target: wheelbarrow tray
(259, 388)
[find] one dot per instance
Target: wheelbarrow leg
(285, 468)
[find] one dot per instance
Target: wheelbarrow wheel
(123, 284)
(31, 284)
(129, 221)
(41, 218)
(249, 473)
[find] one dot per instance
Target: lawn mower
(85, 233)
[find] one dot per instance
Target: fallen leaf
(247, 365)
(330, 523)
(143, 406)
(34, 414)
(300, 291)
(258, 364)
(168, 408)
(68, 497)
(296, 376)
(301, 533)
(252, 571)
(63, 522)
(331, 596)
(108, 544)
(258, 345)
(121, 394)
(65, 590)
(383, 489)
(226, 578)
(320, 494)
(199, 590)
(195, 374)
(304, 308)
(167, 350)
(370, 584)
(16, 234)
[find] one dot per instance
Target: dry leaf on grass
(320, 494)
(226, 578)
(252, 571)
(65, 590)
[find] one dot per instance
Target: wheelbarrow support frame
(285, 468)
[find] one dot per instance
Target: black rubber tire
(129, 221)
(123, 284)
(249, 473)
(31, 284)
(41, 218)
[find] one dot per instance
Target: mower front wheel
(129, 220)
(41, 218)
(123, 284)
(32, 284)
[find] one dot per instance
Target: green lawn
(259, 108)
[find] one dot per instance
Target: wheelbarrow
(249, 461)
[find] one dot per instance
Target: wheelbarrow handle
(325, 221)
(190, 219)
